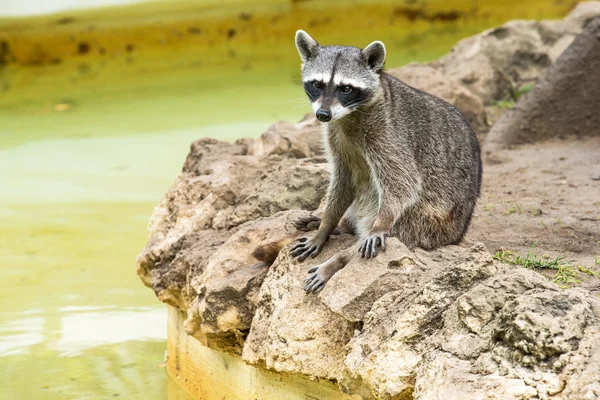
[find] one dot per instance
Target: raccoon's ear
(307, 46)
(375, 56)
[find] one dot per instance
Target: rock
(583, 12)
(490, 67)
(563, 103)
(353, 290)
(384, 356)
(519, 338)
(220, 188)
(583, 382)
(295, 332)
(452, 323)
(228, 288)
(283, 138)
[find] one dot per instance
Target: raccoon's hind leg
(319, 275)
(430, 227)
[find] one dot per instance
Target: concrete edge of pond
(207, 374)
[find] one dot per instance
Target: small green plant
(489, 208)
(566, 272)
(535, 211)
(505, 104)
(516, 94)
(588, 271)
(513, 209)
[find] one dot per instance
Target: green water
(75, 320)
(77, 187)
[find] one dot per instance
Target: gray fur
(403, 162)
(375, 56)
(307, 46)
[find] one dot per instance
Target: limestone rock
(228, 288)
(295, 332)
(389, 349)
(492, 66)
(563, 103)
(526, 351)
(200, 222)
(284, 138)
(353, 290)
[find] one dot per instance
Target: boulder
(223, 186)
(494, 66)
(563, 103)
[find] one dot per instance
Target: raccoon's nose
(323, 115)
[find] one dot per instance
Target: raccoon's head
(339, 79)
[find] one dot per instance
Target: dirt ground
(546, 195)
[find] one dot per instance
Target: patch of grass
(505, 104)
(588, 271)
(514, 94)
(567, 273)
(535, 211)
(517, 93)
(489, 208)
(513, 209)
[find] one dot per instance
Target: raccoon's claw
(307, 247)
(315, 282)
(368, 248)
(306, 224)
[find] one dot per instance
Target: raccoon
(403, 162)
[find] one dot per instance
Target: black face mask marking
(328, 92)
(312, 92)
(354, 98)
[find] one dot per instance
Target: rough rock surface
(452, 323)
(553, 108)
(202, 233)
(490, 67)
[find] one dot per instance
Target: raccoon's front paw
(316, 279)
(307, 247)
(369, 246)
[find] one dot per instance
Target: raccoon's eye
(318, 85)
(346, 89)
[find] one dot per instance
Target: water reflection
(84, 330)
(87, 352)
(15, 8)
(17, 336)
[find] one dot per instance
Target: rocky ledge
(452, 323)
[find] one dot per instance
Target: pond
(88, 145)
